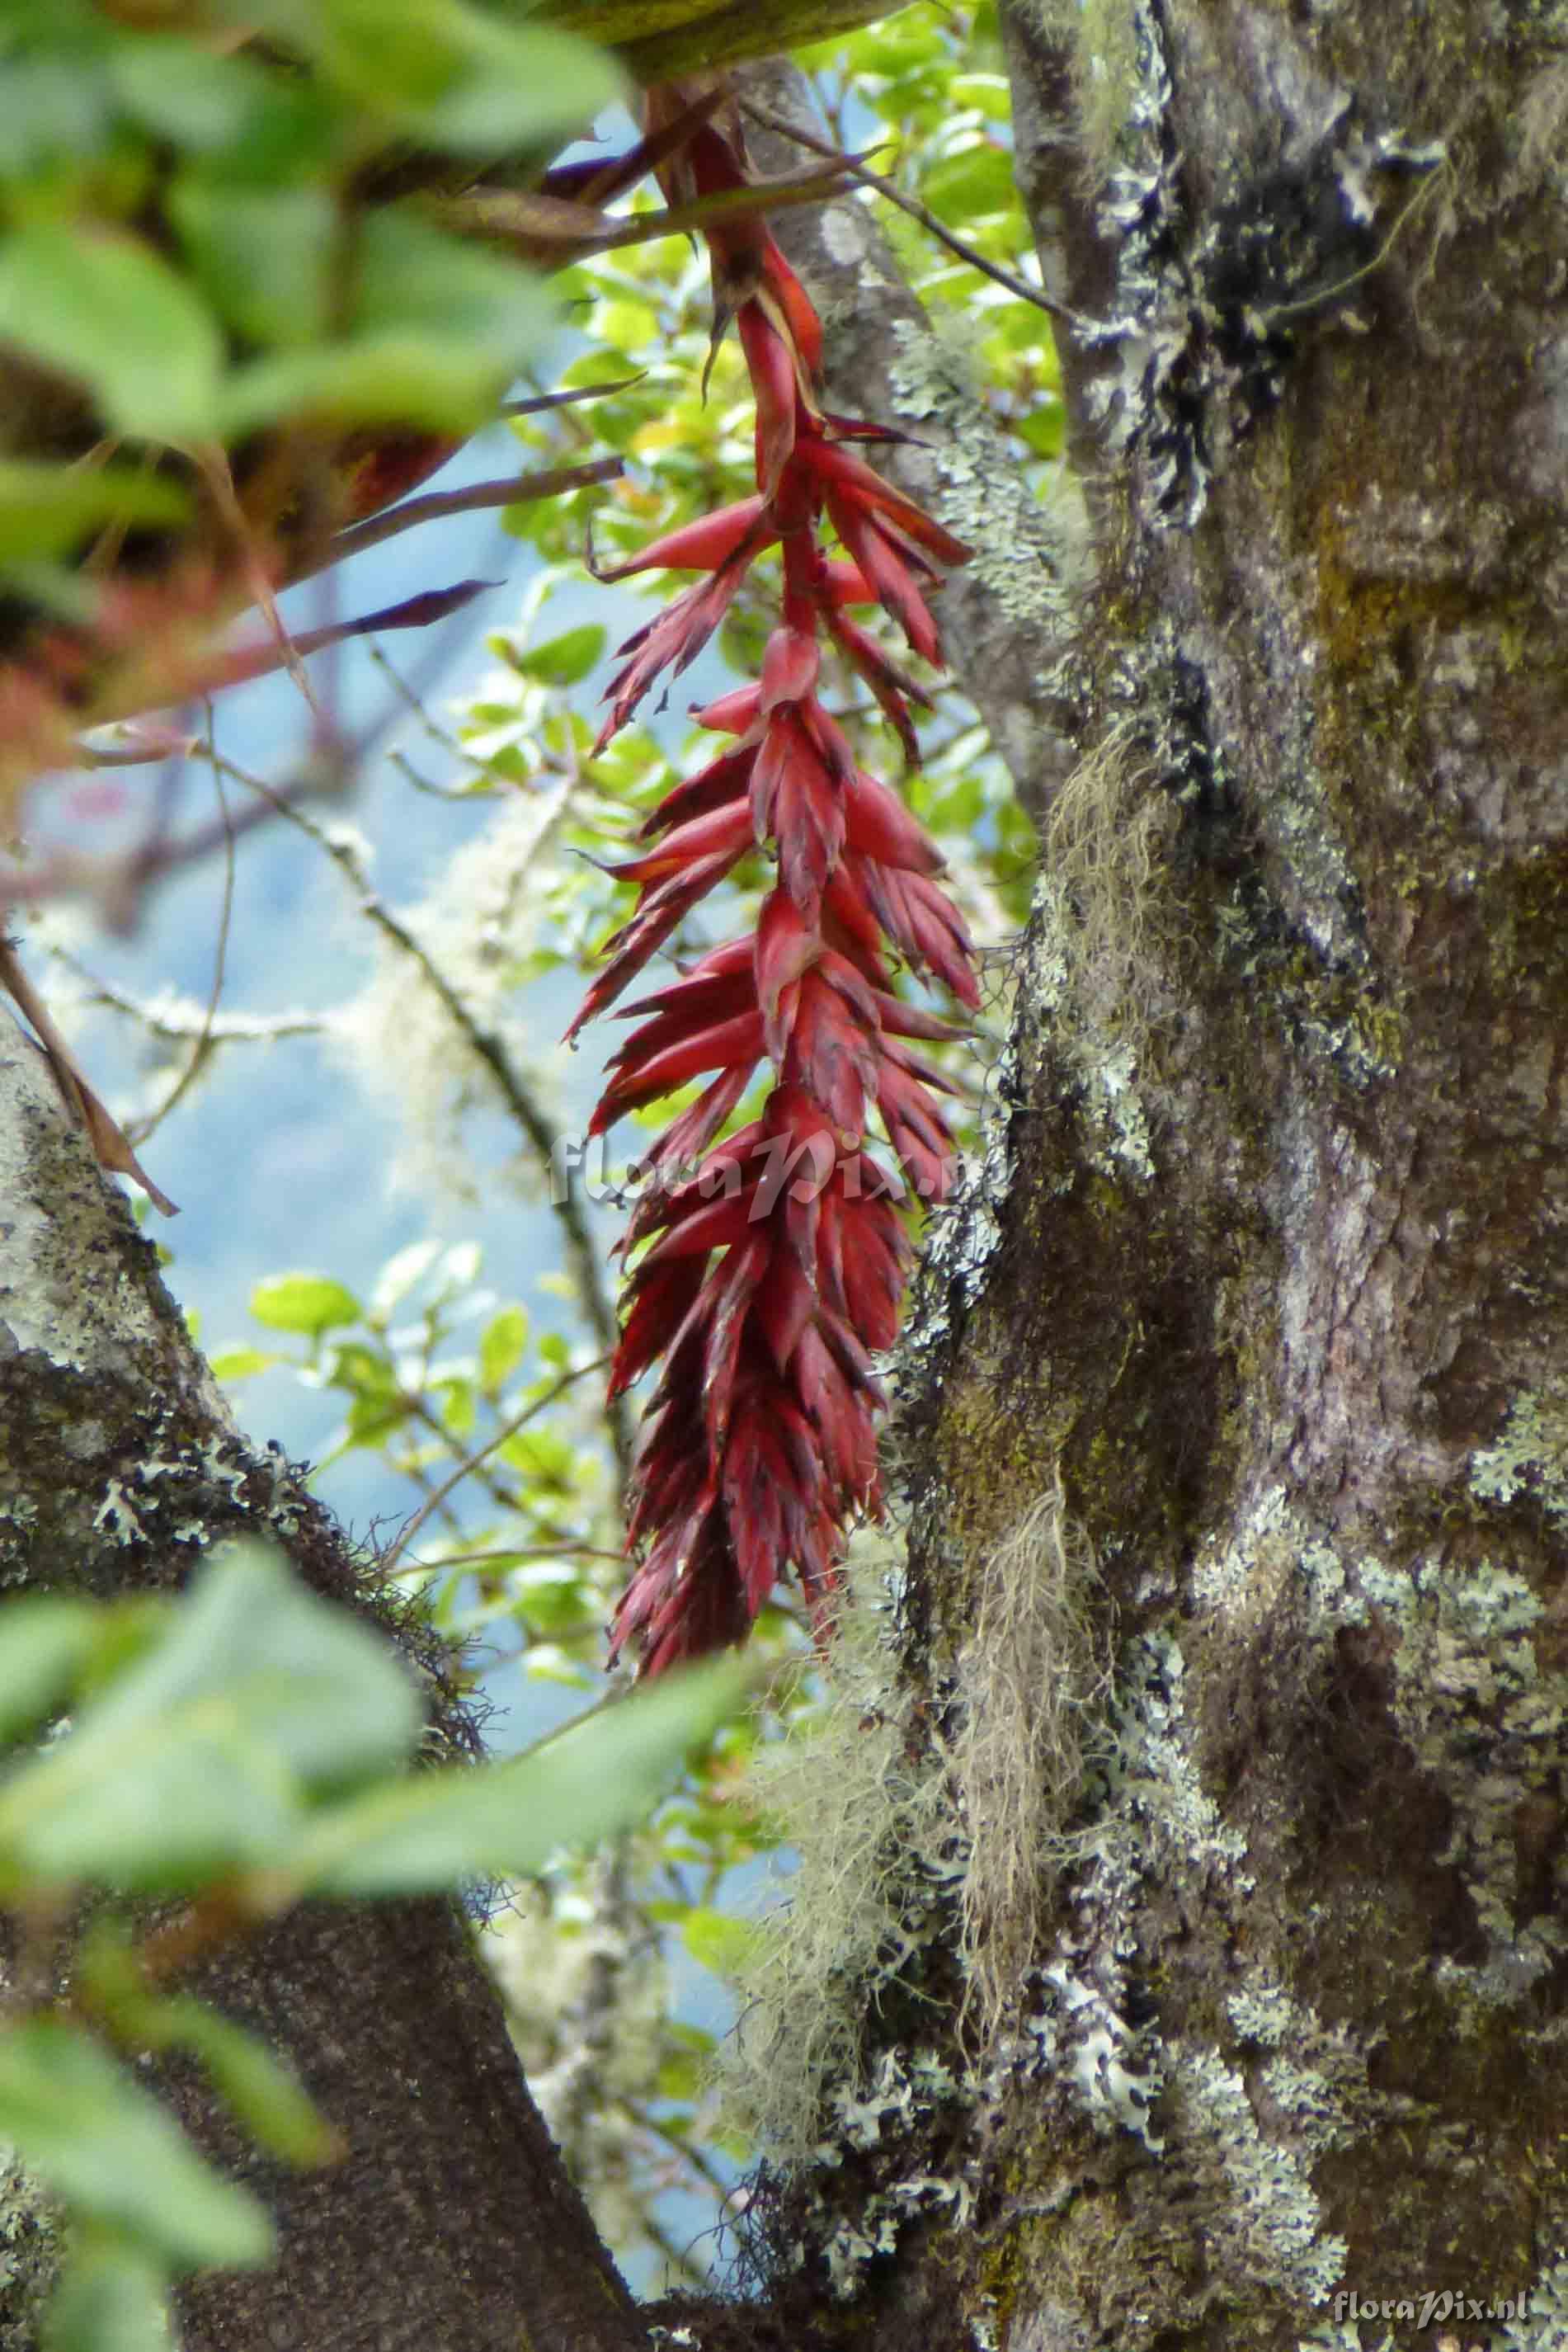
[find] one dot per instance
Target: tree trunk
(450, 2221)
(1246, 1365)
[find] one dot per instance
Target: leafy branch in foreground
(239, 1750)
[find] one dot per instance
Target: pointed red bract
(772, 1263)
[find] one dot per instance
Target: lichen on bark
(1274, 1283)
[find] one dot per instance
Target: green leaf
(362, 1371)
(552, 1598)
(312, 1303)
(399, 1275)
(101, 2142)
(264, 2095)
(717, 1940)
(111, 2297)
(54, 111)
(101, 307)
(262, 255)
(967, 187)
(204, 1755)
(563, 660)
(47, 510)
(458, 1410)
(232, 107)
(502, 1348)
(44, 1645)
(508, 1819)
(437, 329)
(241, 1363)
(459, 79)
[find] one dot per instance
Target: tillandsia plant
(774, 1258)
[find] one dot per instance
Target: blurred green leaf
(45, 1643)
(111, 2297)
(507, 1820)
(401, 1274)
(95, 2136)
(717, 1940)
(262, 255)
(241, 1363)
(201, 1755)
(312, 1303)
(230, 107)
(502, 1348)
(977, 181)
(262, 2094)
(55, 108)
(458, 77)
(562, 661)
(437, 329)
(103, 309)
(47, 510)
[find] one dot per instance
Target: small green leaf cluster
(434, 1370)
(237, 1750)
(203, 233)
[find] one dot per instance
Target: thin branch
(530, 1552)
(212, 459)
(111, 1146)
(540, 401)
(540, 1131)
(203, 1047)
(782, 126)
(177, 1025)
(553, 232)
(516, 489)
(473, 1462)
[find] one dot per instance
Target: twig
(533, 1552)
(111, 1146)
(203, 1047)
(540, 401)
(212, 459)
(473, 1460)
(178, 1028)
(855, 169)
(487, 1048)
(553, 232)
(517, 489)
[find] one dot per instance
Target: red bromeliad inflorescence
(780, 1257)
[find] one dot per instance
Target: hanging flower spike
(774, 1260)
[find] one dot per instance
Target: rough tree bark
(1230, 1677)
(1251, 1346)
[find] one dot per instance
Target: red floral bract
(780, 1254)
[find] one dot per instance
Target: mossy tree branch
(450, 2220)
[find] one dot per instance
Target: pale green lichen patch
(1152, 1770)
(30, 2256)
(1029, 555)
(1268, 2222)
(1528, 1457)
(1315, 2076)
(1470, 1698)
(1542, 2325)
